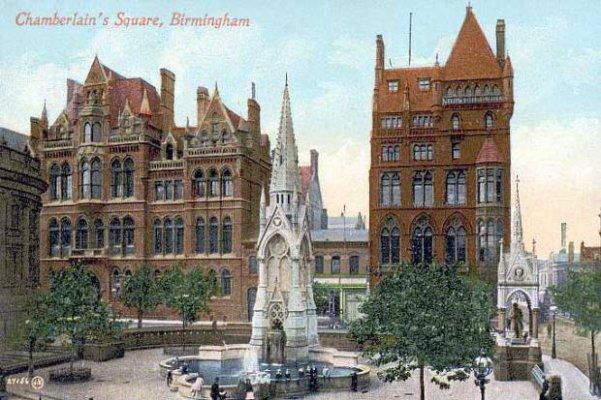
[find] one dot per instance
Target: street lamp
(482, 368)
(554, 312)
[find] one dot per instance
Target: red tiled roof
(489, 153)
(304, 171)
(132, 89)
(471, 57)
(235, 118)
(419, 100)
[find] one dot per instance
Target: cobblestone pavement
(136, 377)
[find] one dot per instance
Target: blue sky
(327, 48)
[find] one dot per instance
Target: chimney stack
(202, 104)
(314, 162)
(571, 252)
(564, 229)
(379, 58)
(500, 40)
(167, 99)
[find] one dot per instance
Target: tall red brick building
(440, 157)
(128, 187)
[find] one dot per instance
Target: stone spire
(284, 175)
(517, 239)
(44, 116)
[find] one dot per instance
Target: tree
(581, 297)
(37, 322)
(188, 293)
(320, 295)
(425, 316)
(141, 291)
(76, 309)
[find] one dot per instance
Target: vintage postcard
(300, 199)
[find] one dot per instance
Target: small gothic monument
(518, 348)
(284, 323)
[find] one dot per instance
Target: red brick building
(440, 156)
(128, 187)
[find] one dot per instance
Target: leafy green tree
(320, 295)
(76, 309)
(425, 316)
(37, 322)
(142, 292)
(188, 293)
(581, 297)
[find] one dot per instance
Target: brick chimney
(314, 162)
(167, 99)
(571, 252)
(500, 41)
(379, 58)
(202, 104)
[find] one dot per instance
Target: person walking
(354, 382)
(197, 387)
(250, 395)
(169, 378)
(215, 389)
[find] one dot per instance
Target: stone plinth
(514, 361)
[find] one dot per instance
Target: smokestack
(167, 98)
(564, 229)
(202, 104)
(571, 252)
(500, 40)
(379, 58)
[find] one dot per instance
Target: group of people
(197, 386)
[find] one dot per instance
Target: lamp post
(554, 312)
(482, 368)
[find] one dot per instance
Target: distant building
(21, 186)
(439, 181)
(590, 254)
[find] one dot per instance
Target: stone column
(534, 329)
(296, 322)
(501, 319)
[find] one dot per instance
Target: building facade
(21, 187)
(440, 157)
(128, 187)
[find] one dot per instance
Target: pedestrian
(354, 381)
(196, 388)
(215, 389)
(169, 377)
(544, 389)
(249, 391)
(549, 330)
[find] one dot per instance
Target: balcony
(58, 144)
(464, 100)
(87, 253)
(125, 138)
(210, 151)
(164, 165)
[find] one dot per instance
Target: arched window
(423, 152)
(416, 153)
(226, 236)
(488, 120)
(98, 234)
(179, 235)
(116, 181)
(81, 234)
(455, 187)
(396, 153)
(96, 132)
(461, 189)
(468, 91)
(115, 236)
(421, 243)
(450, 92)
(455, 122)
(115, 284)
(319, 264)
(353, 265)
(252, 265)
(490, 185)
(168, 236)
(455, 243)
(430, 152)
(157, 236)
(200, 235)
(335, 265)
(477, 91)
(486, 91)
(128, 186)
(204, 138)
(422, 189)
(65, 237)
(87, 132)
(481, 186)
(390, 243)
(226, 183)
(213, 183)
(396, 189)
(66, 181)
(385, 189)
(496, 91)
(55, 182)
(53, 238)
(226, 283)
(169, 151)
(385, 153)
(84, 179)
(481, 241)
(225, 137)
(213, 229)
(128, 233)
(490, 239)
(199, 184)
(96, 179)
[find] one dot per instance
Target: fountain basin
(228, 363)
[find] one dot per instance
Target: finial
(216, 91)
(286, 78)
(469, 6)
(534, 246)
(253, 91)
(44, 111)
(436, 63)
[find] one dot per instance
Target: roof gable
(471, 56)
(489, 153)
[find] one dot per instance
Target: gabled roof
(134, 90)
(489, 153)
(471, 56)
(419, 100)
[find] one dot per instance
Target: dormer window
(393, 86)
(424, 83)
(169, 152)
